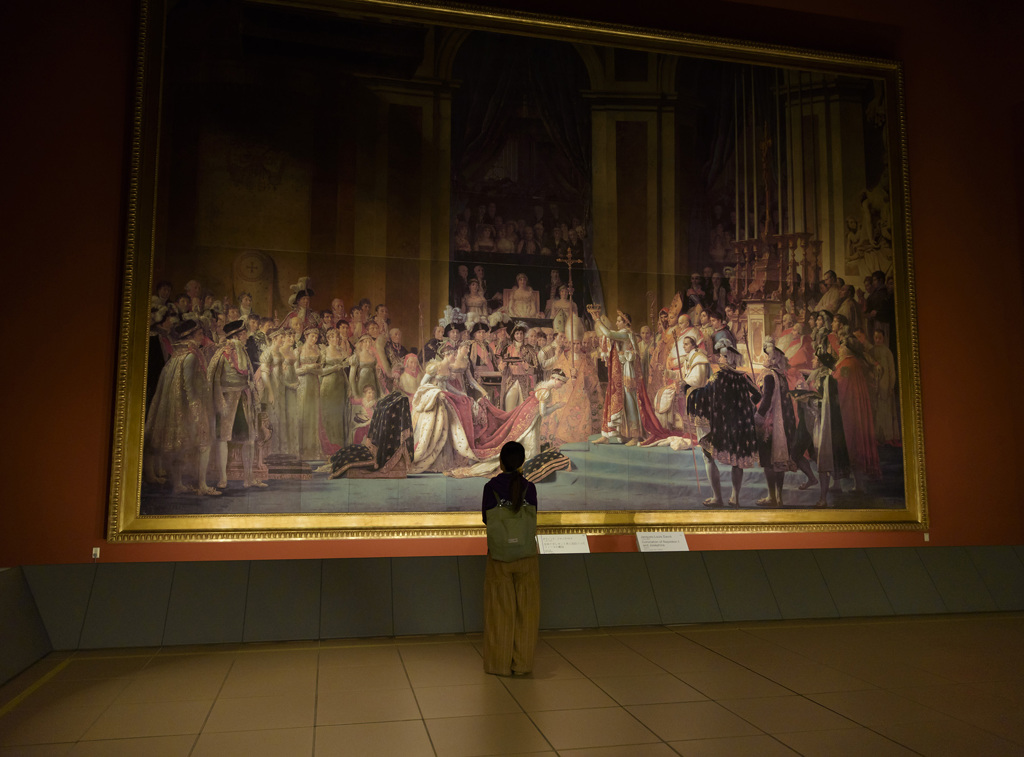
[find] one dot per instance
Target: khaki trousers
(511, 615)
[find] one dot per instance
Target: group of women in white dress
(523, 302)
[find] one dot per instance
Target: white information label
(661, 541)
(563, 544)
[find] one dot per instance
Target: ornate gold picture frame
(681, 268)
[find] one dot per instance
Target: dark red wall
(66, 82)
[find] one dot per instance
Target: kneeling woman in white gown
(463, 437)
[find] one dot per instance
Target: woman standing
(308, 371)
(522, 301)
(289, 408)
(334, 391)
(511, 588)
(474, 303)
(270, 366)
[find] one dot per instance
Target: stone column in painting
(633, 112)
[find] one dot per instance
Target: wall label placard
(661, 541)
(563, 544)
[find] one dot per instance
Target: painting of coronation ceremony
(670, 278)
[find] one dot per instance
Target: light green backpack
(510, 533)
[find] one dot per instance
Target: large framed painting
(370, 243)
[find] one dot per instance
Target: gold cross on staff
(570, 261)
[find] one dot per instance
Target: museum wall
(66, 87)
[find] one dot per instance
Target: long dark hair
(512, 457)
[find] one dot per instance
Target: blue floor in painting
(603, 477)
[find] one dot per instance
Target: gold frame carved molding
(127, 523)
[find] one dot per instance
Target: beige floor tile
(130, 721)
(439, 673)
(848, 742)
(378, 705)
(196, 662)
(886, 673)
(980, 705)
(276, 659)
(406, 738)
(485, 735)
(168, 686)
(615, 664)
(37, 750)
(199, 666)
(1010, 692)
(359, 656)
(988, 711)
(963, 701)
(457, 701)
(691, 658)
(630, 750)
(290, 742)
(682, 721)
(259, 713)
(557, 694)
(252, 681)
(809, 677)
(659, 643)
(717, 636)
(872, 708)
(553, 665)
(737, 746)
(649, 689)
(101, 667)
(367, 677)
(786, 714)
(586, 646)
(47, 725)
(152, 746)
(576, 729)
(438, 653)
(30, 678)
(86, 692)
(949, 738)
(732, 682)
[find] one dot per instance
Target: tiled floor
(947, 685)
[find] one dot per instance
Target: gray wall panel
(906, 582)
(565, 599)
(800, 589)
(1003, 573)
(471, 580)
(682, 587)
(956, 579)
(207, 604)
(283, 600)
(621, 589)
(356, 598)
(128, 605)
(741, 586)
(852, 582)
(427, 595)
(23, 638)
(145, 604)
(62, 596)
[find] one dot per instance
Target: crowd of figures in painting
(520, 364)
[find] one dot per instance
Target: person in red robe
(855, 408)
